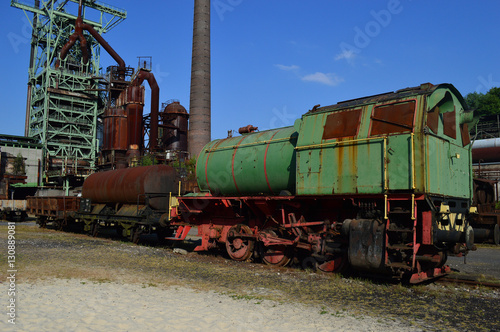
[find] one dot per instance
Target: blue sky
(274, 60)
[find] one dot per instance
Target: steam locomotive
(381, 184)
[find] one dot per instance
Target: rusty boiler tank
(123, 129)
(114, 135)
(132, 185)
(175, 127)
(135, 126)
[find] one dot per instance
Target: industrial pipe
(104, 44)
(486, 150)
(78, 34)
(143, 75)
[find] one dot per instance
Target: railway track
(468, 281)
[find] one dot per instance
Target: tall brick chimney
(199, 103)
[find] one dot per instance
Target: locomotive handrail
(320, 145)
(386, 177)
(412, 148)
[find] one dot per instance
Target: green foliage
(186, 168)
(484, 104)
(19, 167)
(147, 160)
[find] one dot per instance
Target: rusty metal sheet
(450, 124)
(342, 124)
(131, 185)
(393, 118)
(433, 120)
(135, 124)
(464, 132)
(50, 205)
(115, 129)
(427, 227)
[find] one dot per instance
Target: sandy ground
(79, 305)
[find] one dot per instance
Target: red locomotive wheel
(239, 248)
(335, 265)
(278, 255)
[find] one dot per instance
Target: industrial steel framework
(64, 103)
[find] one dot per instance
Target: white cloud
(287, 68)
(347, 54)
(328, 78)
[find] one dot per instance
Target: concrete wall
(31, 157)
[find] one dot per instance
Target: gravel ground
(48, 254)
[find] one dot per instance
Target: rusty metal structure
(124, 126)
(200, 100)
(64, 100)
(174, 130)
(132, 199)
(60, 210)
(120, 186)
(123, 194)
(486, 163)
(486, 222)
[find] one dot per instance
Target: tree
(19, 167)
(484, 104)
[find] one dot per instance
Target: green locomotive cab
(411, 149)
(413, 140)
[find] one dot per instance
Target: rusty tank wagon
(132, 200)
(380, 184)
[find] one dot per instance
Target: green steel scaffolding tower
(64, 104)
